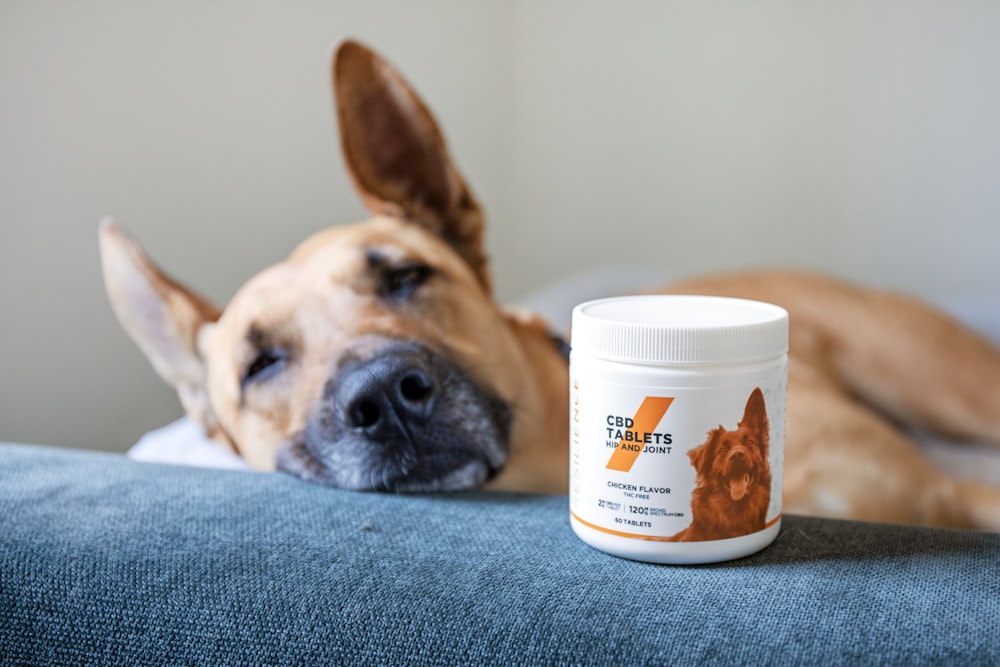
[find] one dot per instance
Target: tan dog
(375, 358)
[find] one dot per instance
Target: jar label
(683, 464)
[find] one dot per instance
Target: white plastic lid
(673, 329)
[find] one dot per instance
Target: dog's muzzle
(739, 473)
(403, 419)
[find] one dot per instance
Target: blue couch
(105, 561)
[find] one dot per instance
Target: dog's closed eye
(402, 281)
(265, 363)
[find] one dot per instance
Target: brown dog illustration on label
(733, 490)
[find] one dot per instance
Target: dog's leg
(923, 368)
(910, 361)
(920, 366)
(981, 503)
(844, 460)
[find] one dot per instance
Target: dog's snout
(738, 458)
(405, 418)
(387, 395)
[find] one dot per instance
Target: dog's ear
(165, 319)
(701, 460)
(755, 418)
(397, 155)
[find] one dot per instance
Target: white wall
(858, 138)
(861, 138)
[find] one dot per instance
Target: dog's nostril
(366, 414)
(415, 388)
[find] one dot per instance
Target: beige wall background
(856, 138)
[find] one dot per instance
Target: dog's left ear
(755, 418)
(701, 456)
(165, 319)
(397, 154)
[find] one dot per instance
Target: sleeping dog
(374, 357)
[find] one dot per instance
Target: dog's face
(374, 357)
(732, 462)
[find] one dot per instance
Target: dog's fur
(375, 358)
(733, 488)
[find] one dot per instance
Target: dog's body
(375, 358)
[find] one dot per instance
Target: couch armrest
(108, 561)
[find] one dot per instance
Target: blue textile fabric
(104, 561)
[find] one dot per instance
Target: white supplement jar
(677, 421)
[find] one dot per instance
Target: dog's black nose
(385, 396)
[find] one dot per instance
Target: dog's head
(374, 357)
(731, 462)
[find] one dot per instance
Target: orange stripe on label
(646, 419)
(653, 538)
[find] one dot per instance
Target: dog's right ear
(397, 155)
(165, 319)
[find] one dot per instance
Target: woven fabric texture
(106, 561)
